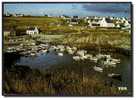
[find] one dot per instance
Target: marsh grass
(76, 35)
(107, 38)
(59, 81)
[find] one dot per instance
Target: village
(70, 50)
(64, 25)
(71, 21)
(34, 46)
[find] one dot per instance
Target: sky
(70, 9)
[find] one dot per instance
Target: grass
(44, 23)
(80, 35)
(22, 80)
(100, 38)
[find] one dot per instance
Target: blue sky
(80, 9)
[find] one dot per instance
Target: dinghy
(98, 69)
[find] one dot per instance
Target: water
(46, 60)
(51, 59)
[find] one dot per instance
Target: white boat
(88, 56)
(81, 52)
(74, 48)
(114, 75)
(60, 54)
(116, 60)
(111, 62)
(44, 51)
(32, 54)
(70, 51)
(68, 48)
(94, 59)
(83, 57)
(98, 69)
(76, 58)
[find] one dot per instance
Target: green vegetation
(78, 35)
(112, 38)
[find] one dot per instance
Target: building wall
(32, 32)
(29, 32)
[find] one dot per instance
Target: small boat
(83, 57)
(115, 76)
(70, 51)
(74, 49)
(116, 60)
(32, 54)
(44, 51)
(76, 58)
(81, 52)
(60, 54)
(68, 48)
(94, 59)
(110, 63)
(89, 56)
(98, 69)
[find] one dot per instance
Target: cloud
(108, 7)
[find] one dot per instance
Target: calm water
(51, 59)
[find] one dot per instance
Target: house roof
(108, 20)
(31, 28)
(73, 20)
(75, 16)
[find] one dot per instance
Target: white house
(94, 23)
(101, 23)
(73, 21)
(127, 25)
(18, 15)
(118, 26)
(106, 23)
(32, 31)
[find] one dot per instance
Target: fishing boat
(60, 54)
(98, 69)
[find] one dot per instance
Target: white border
(72, 98)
